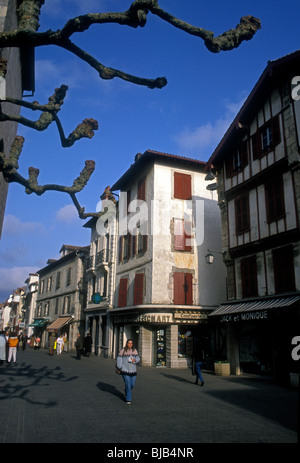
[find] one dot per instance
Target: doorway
(160, 347)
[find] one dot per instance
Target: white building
(164, 289)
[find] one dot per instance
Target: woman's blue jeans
(129, 385)
(198, 366)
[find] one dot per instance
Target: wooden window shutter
(275, 206)
(244, 153)
(182, 186)
(188, 289)
(138, 289)
(249, 277)
(179, 243)
(228, 166)
(242, 215)
(133, 245)
(284, 273)
(123, 292)
(179, 288)
(141, 190)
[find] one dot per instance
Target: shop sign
(190, 316)
(145, 318)
(245, 316)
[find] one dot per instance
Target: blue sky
(187, 117)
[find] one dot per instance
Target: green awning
(38, 323)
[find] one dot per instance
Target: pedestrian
(127, 360)
(87, 345)
(52, 340)
(24, 339)
(59, 344)
(79, 347)
(37, 343)
(2, 347)
(198, 358)
(13, 342)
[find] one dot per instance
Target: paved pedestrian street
(60, 399)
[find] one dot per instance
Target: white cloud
(204, 138)
(14, 226)
(13, 278)
(67, 214)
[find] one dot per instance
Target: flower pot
(222, 368)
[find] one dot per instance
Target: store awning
(59, 323)
(257, 305)
(39, 323)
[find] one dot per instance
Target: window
(138, 289)
(142, 241)
(46, 309)
(266, 138)
(182, 186)
(183, 288)
(274, 199)
(249, 277)
(42, 287)
(181, 237)
(284, 274)
(66, 307)
(238, 161)
(49, 283)
(69, 276)
(122, 302)
(57, 286)
(56, 306)
(242, 215)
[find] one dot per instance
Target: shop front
(163, 339)
(39, 332)
(255, 336)
(63, 326)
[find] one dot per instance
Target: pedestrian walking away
(24, 339)
(198, 358)
(79, 346)
(127, 360)
(13, 342)
(2, 347)
(52, 340)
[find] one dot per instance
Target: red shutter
(141, 190)
(138, 289)
(182, 186)
(188, 289)
(179, 288)
(179, 238)
(122, 292)
(120, 249)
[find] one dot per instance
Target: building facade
(164, 290)
(100, 277)
(258, 181)
(61, 296)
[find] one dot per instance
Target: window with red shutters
(284, 273)
(183, 288)
(242, 214)
(142, 190)
(181, 237)
(138, 289)
(249, 277)
(122, 302)
(182, 186)
(274, 199)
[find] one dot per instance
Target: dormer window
(238, 161)
(266, 138)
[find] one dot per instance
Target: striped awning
(258, 304)
(59, 323)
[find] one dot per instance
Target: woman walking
(127, 359)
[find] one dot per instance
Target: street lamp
(210, 256)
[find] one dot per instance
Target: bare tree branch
(27, 35)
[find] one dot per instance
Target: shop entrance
(160, 347)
